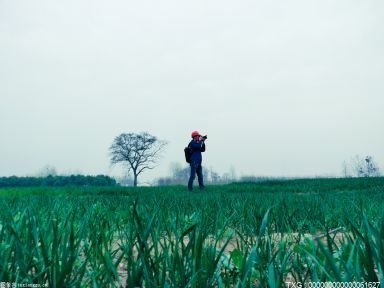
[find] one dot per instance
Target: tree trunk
(134, 180)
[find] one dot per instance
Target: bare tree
(362, 167)
(47, 170)
(138, 151)
(371, 168)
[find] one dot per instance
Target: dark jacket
(197, 147)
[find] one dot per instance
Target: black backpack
(188, 154)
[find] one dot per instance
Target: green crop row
(239, 235)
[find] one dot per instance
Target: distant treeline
(57, 181)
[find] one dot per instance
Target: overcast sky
(282, 88)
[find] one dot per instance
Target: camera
(204, 137)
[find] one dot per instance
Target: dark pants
(196, 168)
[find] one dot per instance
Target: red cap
(195, 133)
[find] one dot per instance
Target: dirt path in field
(336, 234)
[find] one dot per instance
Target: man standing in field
(197, 145)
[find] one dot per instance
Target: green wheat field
(265, 234)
